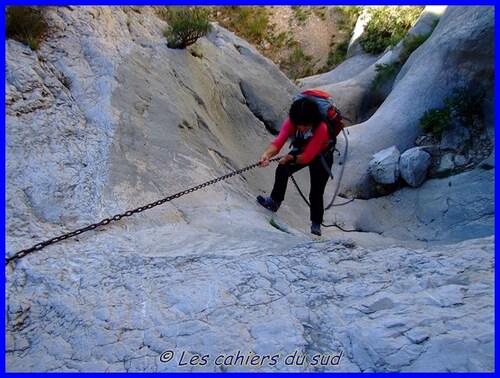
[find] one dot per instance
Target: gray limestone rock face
(356, 309)
(454, 208)
(104, 118)
(458, 52)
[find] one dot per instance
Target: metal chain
(39, 246)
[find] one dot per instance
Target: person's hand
(264, 161)
(286, 159)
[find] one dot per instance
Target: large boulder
(384, 166)
(414, 164)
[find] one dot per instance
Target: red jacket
(317, 144)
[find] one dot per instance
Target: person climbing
(311, 147)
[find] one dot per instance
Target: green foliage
(186, 25)
(25, 24)
(298, 64)
(301, 13)
(410, 44)
(273, 223)
(335, 57)
(436, 121)
(465, 104)
(248, 22)
(349, 15)
(387, 26)
(277, 41)
(196, 53)
(387, 72)
(320, 12)
(346, 19)
(252, 23)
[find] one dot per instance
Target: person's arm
(268, 154)
(276, 145)
(312, 149)
(315, 146)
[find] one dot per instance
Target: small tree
(186, 26)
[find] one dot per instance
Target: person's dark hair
(305, 111)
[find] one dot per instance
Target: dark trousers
(319, 177)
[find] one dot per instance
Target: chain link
(117, 217)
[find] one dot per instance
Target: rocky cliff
(459, 52)
(104, 118)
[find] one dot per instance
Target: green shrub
(25, 24)
(186, 25)
(277, 40)
(349, 16)
(465, 103)
(387, 72)
(248, 22)
(436, 121)
(335, 57)
(196, 53)
(410, 44)
(320, 11)
(301, 13)
(253, 24)
(255, 20)
(387, 26)
(276, 225)
(298, 64)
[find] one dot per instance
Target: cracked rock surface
(386, 309)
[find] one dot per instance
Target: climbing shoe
(269, 203)
(316, 229)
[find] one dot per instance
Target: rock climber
(311, 147)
